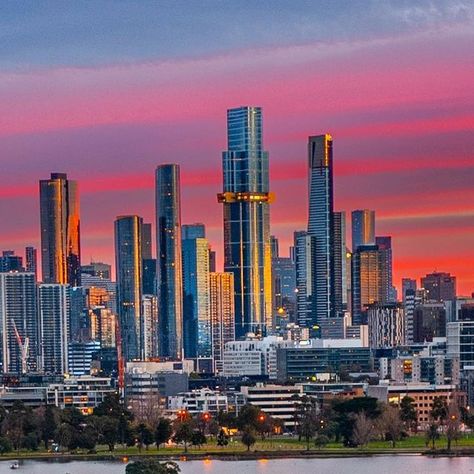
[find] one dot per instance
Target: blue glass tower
(246, 199)
(168, 262)
(196, 315)
(321, 225)
(128, 267)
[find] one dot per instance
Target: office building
(246, 200)
(54, 302)
(429, 321)
(169, 264)
(80, 356)
(412, 298)
(196, 315)
(439, 286)
(19, 343)
(147, 252)
(98, 269)
(60, 230)
(320, 225)
(9, 262)
(363, 228)
(460, 342)
(149, 276)
(103, 325)
(386, 325)
(79, 323)
(408, 284)
(128, 267)
(222, 315)
(31, 261)
(284, 288)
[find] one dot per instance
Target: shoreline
(240, 456)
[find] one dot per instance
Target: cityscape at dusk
(235, 231)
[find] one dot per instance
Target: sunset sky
(105, 91)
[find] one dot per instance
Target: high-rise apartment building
(147, 252)
(128, 266)
(222, 313)
(150, 326)
(19, 344)
(384, 243)
(439, 286)
(429, 321)
(168, 262)
(303, 254)
(340, 262)
(363, 228)
(386, 325)
(196, 316)
(407, 284)
(246, 200)
(321, 226)
(31, 264)
(54, 307)
(60, 230)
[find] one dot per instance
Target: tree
(248, 416)
(64, 435)
(391, 424)
(222, 438)
(344, 415)
(439, 410)
(163, 432)
(453, 424)
(88, 438)
(145, 436)
(198, 438)
(321, 441)
(5, 446)
(151, 466)
(363, 428)
(308, 419)
(109, 431)
(48, 425)
(73, 417)
(432, 434)
(248, 437)
(408, 413)
(184, 433)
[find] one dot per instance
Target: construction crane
(23, 349)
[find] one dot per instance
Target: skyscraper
(196, 316)
(9, 262)
(222, 313)
(54, 308)
(320, 225)
(340, 261)
(128, 266)
(385, 248)
(150, 326)
(19, 314)
(60, 230)
(363, 228)
(146, 241)
(168, 262)
(246, 200)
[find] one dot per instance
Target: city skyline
(403, 140)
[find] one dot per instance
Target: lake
(371, 465)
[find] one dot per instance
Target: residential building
(440, 286)
(201, 401)
(386, 325)
(246, 199)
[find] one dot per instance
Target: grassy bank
(281, 447)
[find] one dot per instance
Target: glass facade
(320, 225)
(60, 230)
(246, 199)
(363, 228)
(168, 262)
(196, 316)
(128, 266)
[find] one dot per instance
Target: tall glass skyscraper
(168, 262)
(340, 262)
(320, 225)
(196, 317)
(60, 230)
(246, 200)
(128, 266)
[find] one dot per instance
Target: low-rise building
(199, 401)
(423, 395)
(278, 401)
